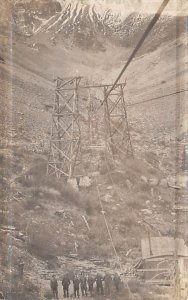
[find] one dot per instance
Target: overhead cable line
(147, 31)
(128, 105)
(156, 98)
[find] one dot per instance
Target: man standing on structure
(76, 285)
(65, 284)
(54, 287)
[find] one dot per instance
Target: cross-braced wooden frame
(65, 142)
(118, 138)
(65, 138)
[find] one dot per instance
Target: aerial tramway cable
(147, 31)
(156, 98)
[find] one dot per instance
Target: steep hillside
(54, 226)
(52, 234)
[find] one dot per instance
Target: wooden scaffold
(65, 138)
(107, 124)
(118, 137)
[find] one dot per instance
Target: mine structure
(92, 118)
(83, 122)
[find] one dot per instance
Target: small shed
(158, 259)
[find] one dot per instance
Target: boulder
(144, 179)
(108, 198)
(60, 213)
(109, 188)
(37, 207)
(154, 181)
(73, 183)
(164, 182)
(171, 180)
(128, 184)
(147, 211)
(85, 181)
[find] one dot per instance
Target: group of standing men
(86, 284)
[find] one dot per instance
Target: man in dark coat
(65, 284)
(99, 283)
(117, 282)
(107, 283)
(54, 287)
(91, 281)
(83, 284)
(76, 285)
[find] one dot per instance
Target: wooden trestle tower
(67, 138)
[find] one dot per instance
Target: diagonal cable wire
(157, 98)
(141, 41)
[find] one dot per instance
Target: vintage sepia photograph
(93, 149)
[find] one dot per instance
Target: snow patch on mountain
(75, 11)
(89, 23)
(100, 6)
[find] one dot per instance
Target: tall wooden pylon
(118, 137)
(65, 140)
(69, 113)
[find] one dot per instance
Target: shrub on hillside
(89, 202)
(41, 240)
(129, 219)
(98, 232)
(31, 203)
(91, 249)
(48, 294)
(136, 203)
(106, 166)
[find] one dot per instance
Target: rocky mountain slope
(51, 235)
(50, 225)
(87, 23)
